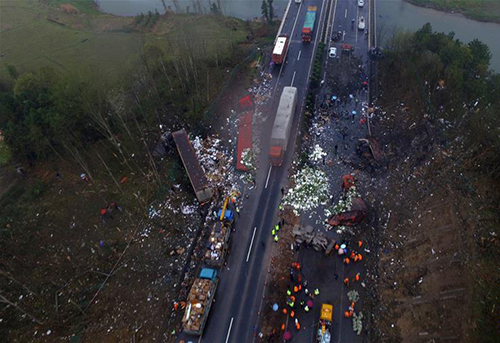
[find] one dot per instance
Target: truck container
(282, 125)
(308, 28)
(325, 322)
(280, 49)
(204, 192)
(199, 301)
(218, 247)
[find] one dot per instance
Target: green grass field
(483, 10)
(96, 42)
(4, 153)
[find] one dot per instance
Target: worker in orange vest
(346, 281)
(346, 260)
(295, 289)
(285, 311)
(283, 327)
(292, 313)
(356, 258)
(346, 314)
(297, 324)
(176, 305)
(337, 247)
(360, 257)
(360, 244)
(357, 277)
(353, 254)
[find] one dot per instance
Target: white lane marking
(291, 38)
(229, 331)
(251, 244)
(293, 78)
(345, 14)
(341, 298)
(298, 57)
(333, 20)
(268, 174)
(357, 16)
(199, 339)
(283, 21)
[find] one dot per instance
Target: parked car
(361, 23)
(336, 36)
(361, 3)
(332, 53)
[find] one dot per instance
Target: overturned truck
(204, 192)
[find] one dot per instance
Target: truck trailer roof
(284, 113)
(280, 45)
(193, 168)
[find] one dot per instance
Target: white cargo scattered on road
(332, 53)
(361, 3)
(361, 23)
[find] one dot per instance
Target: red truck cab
(276, 155)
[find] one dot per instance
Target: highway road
(234, 316)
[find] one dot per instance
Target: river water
(399, 13)
(389, 13)
(244, 9)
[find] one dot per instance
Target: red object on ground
(103, 211)
(347, 181)
(244, 138)
(245, 103)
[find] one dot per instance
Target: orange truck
(325, 322)
(280, 49)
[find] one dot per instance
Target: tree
(270, 9)
(214, 9)
(265, 9)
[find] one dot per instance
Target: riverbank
(439, 229)
(480, 10)
(75, 37)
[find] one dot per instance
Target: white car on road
(332, 53)
(361, 3)
(361, 23)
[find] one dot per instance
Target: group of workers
(274, 232)
(292, 293)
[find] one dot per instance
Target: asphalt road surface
(327, 273)
(234, 316)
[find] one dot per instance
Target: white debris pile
(345, 203)
(248, 159)
(357, 323)
(216, 161)
(317, 154)
(309, 191)
(353, 296)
